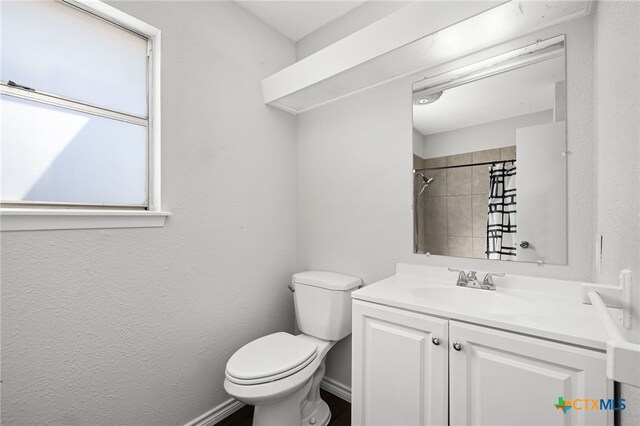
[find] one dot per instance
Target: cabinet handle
(457, 346)
(435, 341)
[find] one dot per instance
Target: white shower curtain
(501, 221)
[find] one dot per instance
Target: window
(79, 112)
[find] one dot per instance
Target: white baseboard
(218, 413)
(231, 405)
(336, 388)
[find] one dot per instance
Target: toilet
(280, 373)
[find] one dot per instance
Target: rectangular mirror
(489, 158)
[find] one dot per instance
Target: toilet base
(288, 412)
(305, 407)
(285, 412)
(315, 412)
(319, 417)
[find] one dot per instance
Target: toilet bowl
(289, 397)
(280, 373)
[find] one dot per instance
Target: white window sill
(49, 219)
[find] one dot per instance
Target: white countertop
(554, 308)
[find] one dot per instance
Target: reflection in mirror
(489, 145)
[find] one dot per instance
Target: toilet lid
(270, 358)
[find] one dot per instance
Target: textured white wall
(495, 134)
(134, 326)
(618, 136)
(618, 155)
(354, 184)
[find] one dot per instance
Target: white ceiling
(518, 92)
(296, 19)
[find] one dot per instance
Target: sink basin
(476, 301)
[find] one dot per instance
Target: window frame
(39, 216)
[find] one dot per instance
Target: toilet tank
(323, 303)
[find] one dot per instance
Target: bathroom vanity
(428, 352)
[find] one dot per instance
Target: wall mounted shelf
(419, 36)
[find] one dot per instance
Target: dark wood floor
(340, 413)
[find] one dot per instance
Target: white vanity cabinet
(491, 377)
(502, 378)
(399, 373)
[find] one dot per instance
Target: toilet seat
(270, 358)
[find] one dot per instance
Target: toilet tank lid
(328, 280)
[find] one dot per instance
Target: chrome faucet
(462, 277)
(471, 279)
(466, 280)
(487, 283)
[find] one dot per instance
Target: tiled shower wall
(452, 212)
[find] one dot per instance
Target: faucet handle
(488, 279)
(462, 277)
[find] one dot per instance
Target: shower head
(426, 181)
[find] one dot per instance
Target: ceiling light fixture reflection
(425, 99)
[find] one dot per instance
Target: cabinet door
(501, 378)
(399, 374)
